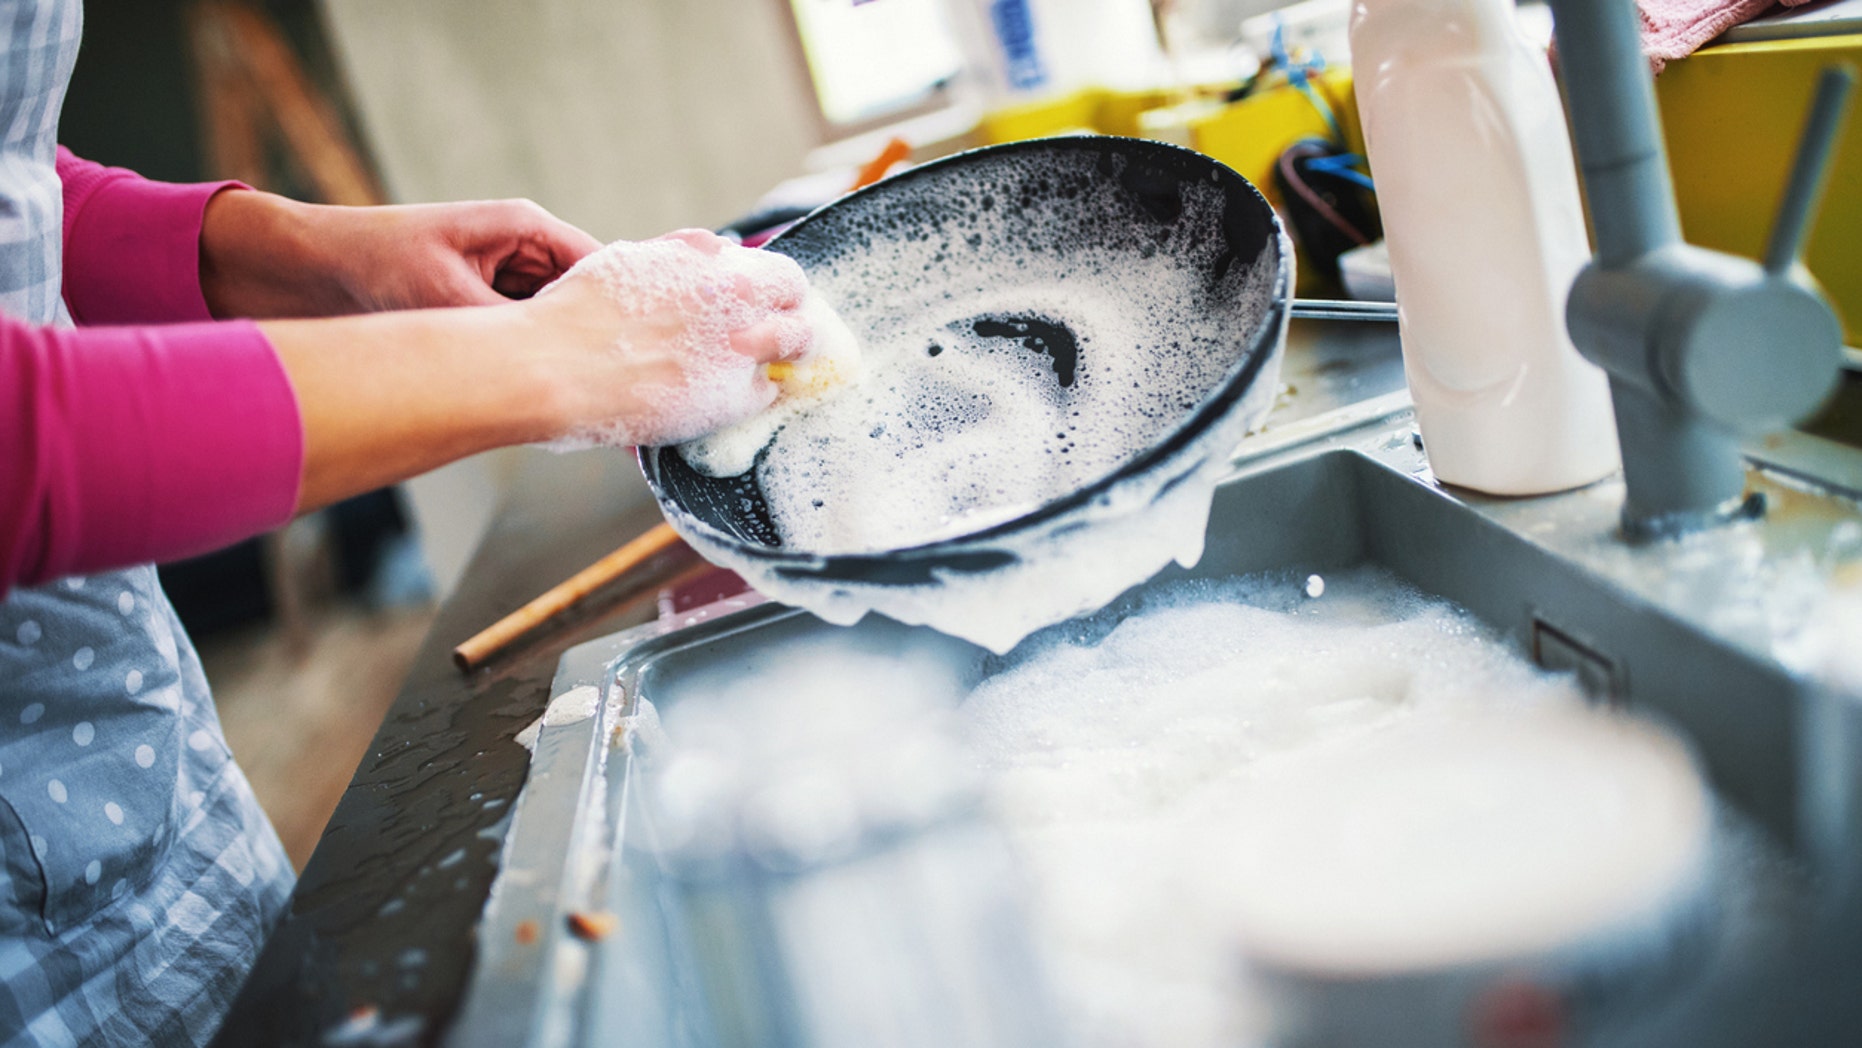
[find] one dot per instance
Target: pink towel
(1674, 29)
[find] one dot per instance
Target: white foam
(1450, 841)
(576, 704)
(971, 413)
(831, 364)
(928, 441)
(1827, 644)
(796, 750)
(527, 737)
(1367, 780)
(689, 301)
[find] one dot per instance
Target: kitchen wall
(626, 117)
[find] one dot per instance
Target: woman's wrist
(386, 396)
(261, 256)
(524, 352)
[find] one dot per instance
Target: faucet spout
(1615, 129)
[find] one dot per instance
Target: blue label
(1014, 25)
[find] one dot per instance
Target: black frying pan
(1149, 184)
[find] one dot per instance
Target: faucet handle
(1728, 307)
(1811, 170)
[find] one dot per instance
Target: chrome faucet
(1701, 346)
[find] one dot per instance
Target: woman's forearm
(265, 256)
(388, 396)
(649, 343)
(123, 445)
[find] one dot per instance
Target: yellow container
(1092, 109)
(1732, 114)
(1250, 135)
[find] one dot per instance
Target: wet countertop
(379, 933)
(378, 942)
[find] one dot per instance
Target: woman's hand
(664, 338)
(652, 342)
(264, 255)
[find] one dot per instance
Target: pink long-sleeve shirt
(151, 432)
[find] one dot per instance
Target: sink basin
(1669, 629)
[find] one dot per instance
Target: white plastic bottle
(1472, 159)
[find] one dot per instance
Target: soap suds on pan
(1027, 329)
(997, 378)
(831, 366)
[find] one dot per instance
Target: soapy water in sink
(1786, 587)
(1329, 774)
(1366, 782)
(794, 751)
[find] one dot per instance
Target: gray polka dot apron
(138, 875)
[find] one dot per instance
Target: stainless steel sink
(1693, 631)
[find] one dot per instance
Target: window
(875, 58)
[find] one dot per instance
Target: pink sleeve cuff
(206, 477)
(143, 444)
(132, 246)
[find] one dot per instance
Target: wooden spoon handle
(500, 635)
